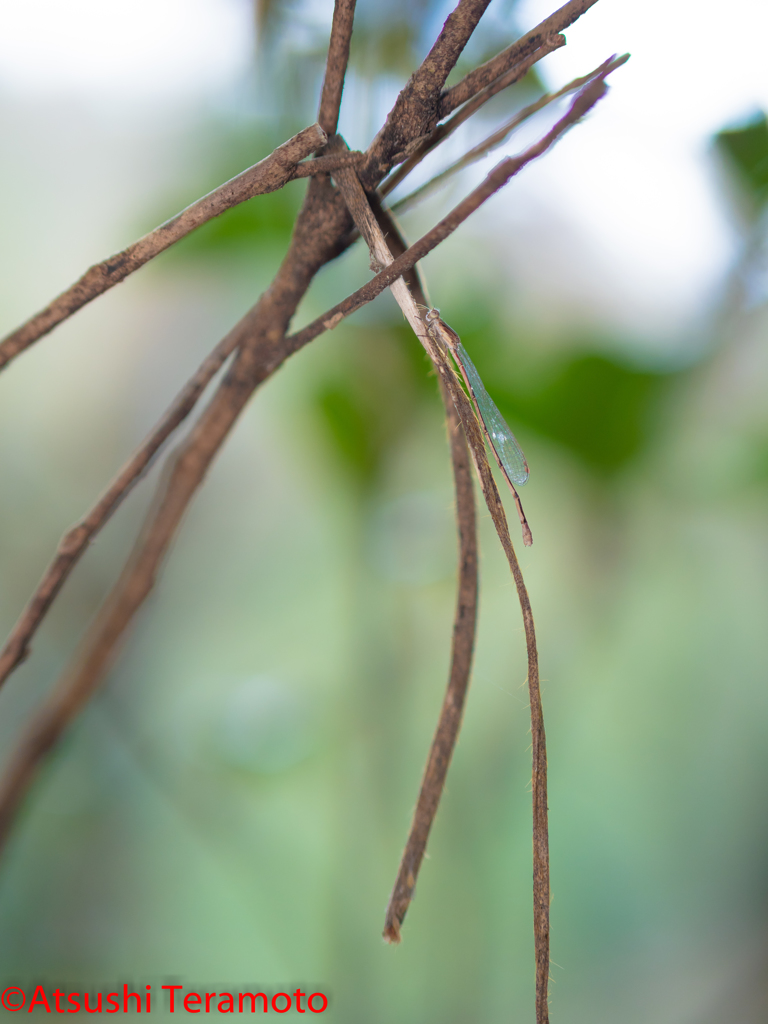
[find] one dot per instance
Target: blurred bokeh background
(232, 805)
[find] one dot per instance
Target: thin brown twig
(368, 226)
(416, 109)
(452, 709)
(336, 65)
(326, 164)
(482, 76)
(269, 174)
(75, 542)
(498, 137)
(442, 131)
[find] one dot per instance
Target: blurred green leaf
(264, 12)
(746, 151)
(383, 49)
(389, 40)
(351, 426)
(598, 409)
(381, 383)
(416, 369)
(264, 221)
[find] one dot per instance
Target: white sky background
(633, 186)
(637, 179)
(123, 50)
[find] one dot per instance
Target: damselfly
(508, 453)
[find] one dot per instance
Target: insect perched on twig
(508, 453)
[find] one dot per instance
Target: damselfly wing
(508, 452)
(502, 439)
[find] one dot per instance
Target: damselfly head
(431, 316)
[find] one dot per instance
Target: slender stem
(336, 65)
(451, 712)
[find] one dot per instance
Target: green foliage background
(231, 808)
